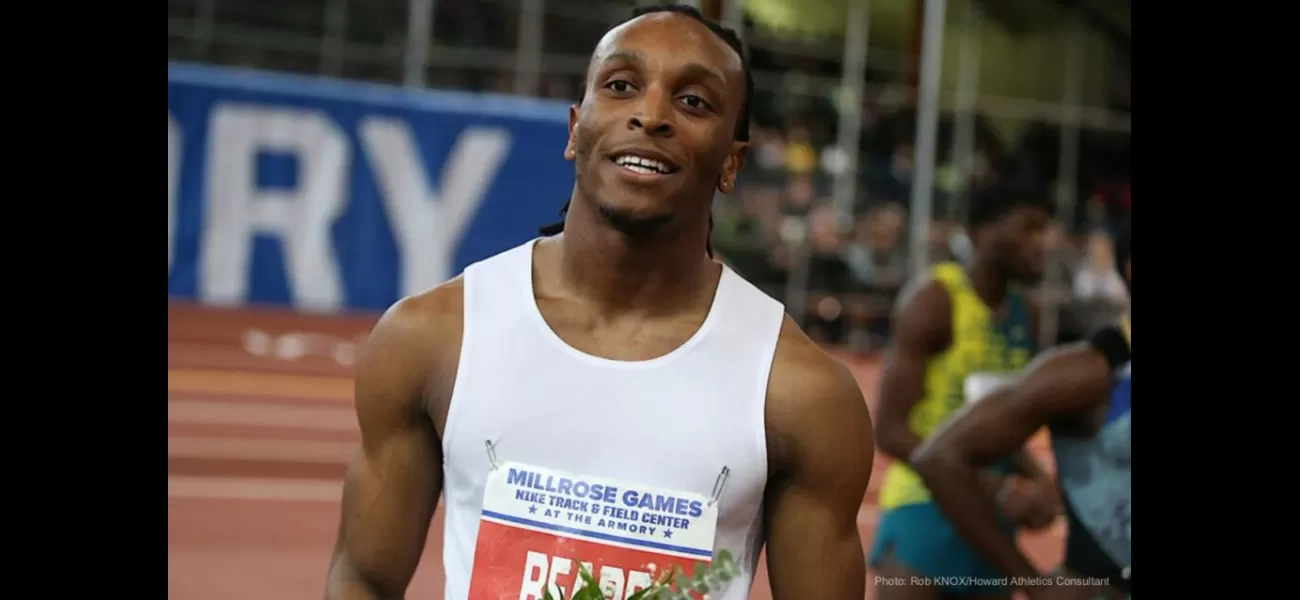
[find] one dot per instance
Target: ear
(731, 167)
(571, 146)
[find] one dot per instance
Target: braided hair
(732, 40)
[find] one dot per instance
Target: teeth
(641, 165)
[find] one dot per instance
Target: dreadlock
(727, 35)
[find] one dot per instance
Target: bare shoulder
(805, 377)
(814, 399)
(922, 316)
(924, 294)
(414, 349)
(423, 322)
(820, 454)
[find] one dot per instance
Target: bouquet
(674, 585)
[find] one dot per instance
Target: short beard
(632, 225)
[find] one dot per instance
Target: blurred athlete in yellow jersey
(959, 330)
(1083, 393)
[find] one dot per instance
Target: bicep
(389, 495)
(918, 335)
(902, 384)
(813, 542)
(392, 486)
(1060, 383)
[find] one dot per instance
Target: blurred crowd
(783, 212)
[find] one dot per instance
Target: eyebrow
(693, 70)
(699, 71)
(625, 55)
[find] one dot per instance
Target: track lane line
(252, 415)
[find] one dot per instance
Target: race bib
(977, 386)
(539, 524)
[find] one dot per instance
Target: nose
(653, 114)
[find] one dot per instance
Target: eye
(695, 102)
(619, 86)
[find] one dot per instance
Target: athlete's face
(653, 137)
(1024, 234)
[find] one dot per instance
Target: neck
(988, 281)
(622, 274)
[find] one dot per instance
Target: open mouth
(644, 166)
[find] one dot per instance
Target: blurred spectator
(876, 259)
(828, 276)
(900, 165)
(800, 157)
(767, 150)
(1099, 291)
(1111, 203)
(799, 195)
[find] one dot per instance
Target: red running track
(259, 432)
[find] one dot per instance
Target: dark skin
(620, 292)
(1008, 250)
(1067, 390)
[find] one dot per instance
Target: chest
(632, 339)
(987, 341)
(672, 428)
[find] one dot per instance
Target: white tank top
(673, 422)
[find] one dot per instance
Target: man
(611, 398)
(959, 328)
(1082, 393)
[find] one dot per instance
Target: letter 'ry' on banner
(328, 195)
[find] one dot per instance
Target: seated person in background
(1100, 295)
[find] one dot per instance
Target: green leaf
(590, 588)
(672, 585)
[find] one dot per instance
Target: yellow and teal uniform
(911, 530)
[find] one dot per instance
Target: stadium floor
(259, 432)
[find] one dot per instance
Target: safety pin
(491, 454)
(719, 484)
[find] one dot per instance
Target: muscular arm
(922, 329)
(392, 486)
(1061, 383)
(821, 452)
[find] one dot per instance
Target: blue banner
(328, 195)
